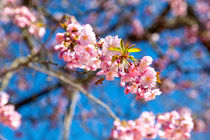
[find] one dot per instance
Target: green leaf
(115, 49)
(122, 44)
(134, 50)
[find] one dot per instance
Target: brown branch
(68, 81)
(69, 114)
(35, 96)
(23, 61)
(161, 23)
(16, 64)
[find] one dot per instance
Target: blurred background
(175, 33)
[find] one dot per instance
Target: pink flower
(141, 80)
(147, 126)
(133, 71)
(145, 61)
(202, 7)
(110, 76)
(143, 127)
(36, 30)
(74, 28)
(8, 115)
(174, 125)
(76, 47)
(126, 78)
(179, 7)
(59, 37)
(200, 125)
(149, 78)
(110, 42)
(151, 94)
(23, 17)
(4, 98)
(79, 48)
(105, 65)
(87, 35)
(137, 28)
(109, 69)
(132, 2)
(171, 125)
(167, 86)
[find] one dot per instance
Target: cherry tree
(104, 69)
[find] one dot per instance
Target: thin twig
(76, 86)
(19, 62)
(70, 114)
(36, 96)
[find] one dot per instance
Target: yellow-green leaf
(134, 50)
(115, 49)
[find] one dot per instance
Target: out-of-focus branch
(47, 90)
(69, 114)
(27, 40)
(66, 80)
(23, 61)
(16, 64)
(162, 23)
(124, 18)
(160, 53)
(156, 26)
(37, 95)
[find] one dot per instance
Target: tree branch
(76, 86)
(37, 95)
(161, 23)
(69, 115)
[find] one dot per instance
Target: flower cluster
(79, 47)
(202, 8)
(8, 115)
(175, 126)
(143, 127)
(171, 125)
(141, 80)
(111, 9)
(179, 7)
(23, 17)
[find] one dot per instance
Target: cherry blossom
(167, 86)
(137, 28)
(23, 17)
(179, 7)
(175, 126)
(8, 115)
(79, 47)
(170, 125)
